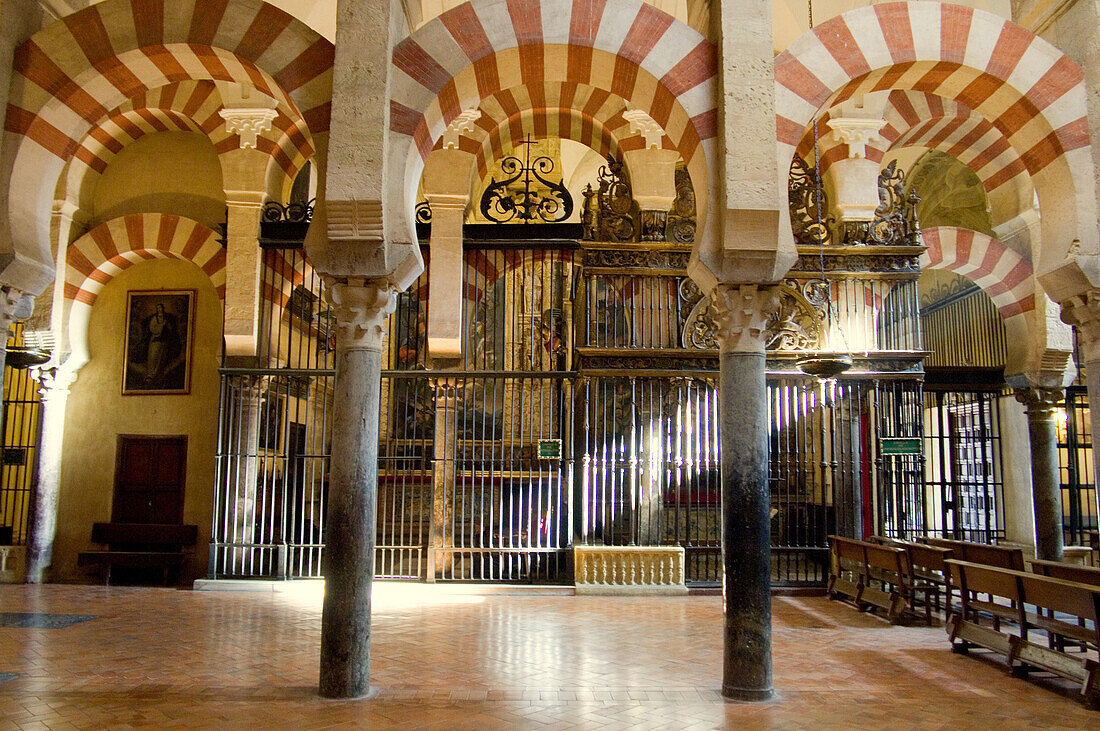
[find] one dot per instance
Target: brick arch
(69, 76)
(458, 59)
(930, 122)
(185, 106)
(1029, 91)
(100, 255)
(540, 123)
(1003, 274)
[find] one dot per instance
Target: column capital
(1083, 312)
(248, 122)
(857, 133)
(53, 381)
(741, 315)
(361, 307)
(1040, 402)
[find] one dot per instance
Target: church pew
(1048, 596)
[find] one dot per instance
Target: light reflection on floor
(443, 658)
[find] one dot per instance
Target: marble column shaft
(361, 309)
(1046, 490)
(43, 525)
(740, 313)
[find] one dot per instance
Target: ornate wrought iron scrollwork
(808, 205)
(610, 213)
(293, 212)
(797, 324)
(423, 212)
(510, 199)
(681, 219)
(895, 222)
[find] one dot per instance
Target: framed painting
(159, 326)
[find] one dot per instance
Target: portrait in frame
(159, 325)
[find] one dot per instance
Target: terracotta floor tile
(161, 658)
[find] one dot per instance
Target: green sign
(549, 449)
(900, 445)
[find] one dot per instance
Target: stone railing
(629, 569)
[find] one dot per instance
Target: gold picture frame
(159, 331)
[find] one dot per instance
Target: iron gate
(964, 486)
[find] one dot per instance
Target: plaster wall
(97, 413)
(1019, 511)
(167, 172)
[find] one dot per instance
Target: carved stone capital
(249, 123)
(462, 123)
(644, 125)
(1083, 312)
(1040, 402)
(53, 381)
(857, 133)
(361, 308)
(741, 315)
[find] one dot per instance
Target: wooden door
(149, 480)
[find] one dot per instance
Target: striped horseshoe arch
(1002, 274)
(456, 60)
(1028, 90)
(70, 75)
(100, 255)
(189, 106)
(928, 121)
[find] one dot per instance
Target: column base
(743, 695)
(372, 691)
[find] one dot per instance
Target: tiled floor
(166, 658)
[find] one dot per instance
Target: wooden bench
(1000, 556)
(141, 545)
(881, 576)
(1048, 596)
(930, 573)
(1066, 571)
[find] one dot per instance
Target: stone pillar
(740, 314)
(443, 476)
(1046, 491)
(243, 170)
(54, 390)
(361, 308)
(243, 464)
(652, 174)
(855, 178)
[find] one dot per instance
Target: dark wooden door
(149, 480)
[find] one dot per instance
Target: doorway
(149, 479)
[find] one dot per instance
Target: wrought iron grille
(1076, 466)
(21, 431)
(900, 502)
(275, 432)
(964, 484)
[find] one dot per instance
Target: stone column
(361, 308)
(652, 174)
(443, 476)
(1046, 491)
(243, 171)
(242, 468)
(740, 314)
(54, 390)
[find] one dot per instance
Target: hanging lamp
(824, 366)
